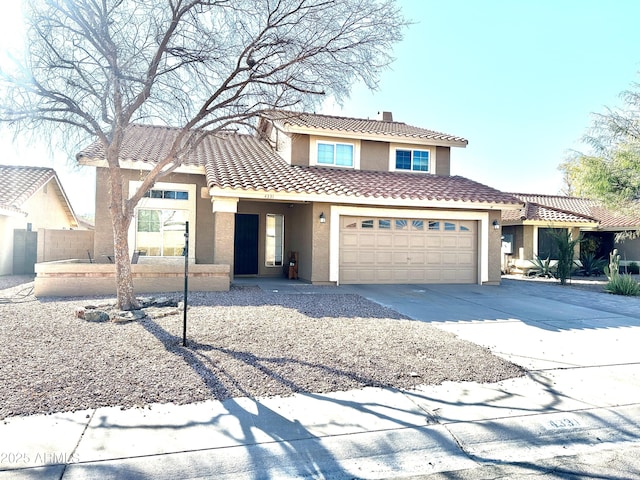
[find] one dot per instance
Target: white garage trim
(337, 211)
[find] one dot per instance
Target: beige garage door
(406, 250)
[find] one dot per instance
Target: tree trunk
(126, 299)
(120, 220)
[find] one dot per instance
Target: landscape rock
(96, 316)
(129, 316)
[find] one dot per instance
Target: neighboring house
(358, 200)
(528, 232)
(31, 198)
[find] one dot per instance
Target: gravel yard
(245, 342)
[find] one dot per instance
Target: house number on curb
(563, 423)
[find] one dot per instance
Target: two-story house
(359, 200)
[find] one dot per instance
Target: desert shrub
(591, 265)
(566, 249)
(622, 285)
(542, 268)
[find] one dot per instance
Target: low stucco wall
(60, 279)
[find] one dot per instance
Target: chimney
(385, 116)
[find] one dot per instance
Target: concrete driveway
(537, 325)
(574, 415)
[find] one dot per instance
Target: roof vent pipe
(385, 116)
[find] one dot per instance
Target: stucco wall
(300, 150)
(103, 239)
(495, 250)
(526, 252)
(64, 244)
(321, 243)
(222, 236)
(6, 245)
(443, 161)
(374, 155)
(71, 279)
(299, 237)
(45, 210)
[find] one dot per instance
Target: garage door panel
(449, 276)
(384, 241)
(350, 239)
(433, 258)
(417, 240)
(449, 258)
(434, 241)
(365, 240)
(407, 251)
(401, 241)
(417, 258)
(349, 257)
(401, 258)
(367, 258)
(466, 259)
(449, 242)
(416, 276)
(384, 258)
(366, 275)
(349, 275)
(466, 242)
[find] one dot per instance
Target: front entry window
(160, 233)
(274, 247)
(547, 244)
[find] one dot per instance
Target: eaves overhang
(138, 165)
(408, 139)
(8, 211)
(281, 196)
(553, 224)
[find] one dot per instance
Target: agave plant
(542, 268)
(591, 265)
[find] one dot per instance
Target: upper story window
(338, 154)
(412, 160)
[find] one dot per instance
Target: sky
(518, 79)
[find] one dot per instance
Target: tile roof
(246, 163)
(559, 208)
(144, 143)
(359, 126)
(18, 184)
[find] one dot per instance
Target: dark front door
(245, 257)
(25, 251)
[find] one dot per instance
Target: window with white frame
(412, 160)
(337, 154)
(160, 233)
(160, 219)
(274, 242)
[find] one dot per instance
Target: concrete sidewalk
(575, 415)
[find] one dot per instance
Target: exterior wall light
(496, 225)
(323, 219)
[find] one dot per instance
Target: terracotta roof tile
(19, 183)
(570, 209)
(244, 162)
(360, 126)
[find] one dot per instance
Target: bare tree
(96, 66)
